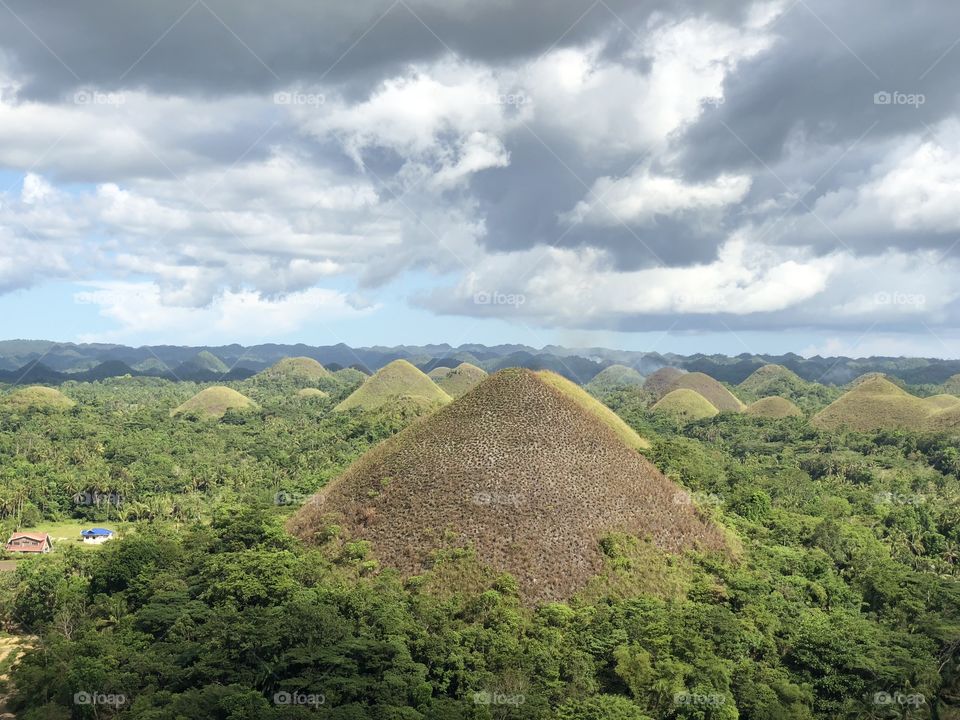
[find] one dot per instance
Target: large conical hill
(301, 369)
(38, 397)
(773, 408)
(518, 470)
(213, 403)
(874, 403)
(712, 390)
(461, 380)
(394, 385)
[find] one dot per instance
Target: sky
(685, 176)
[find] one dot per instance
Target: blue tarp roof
(97, 531)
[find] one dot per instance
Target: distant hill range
(42, 361)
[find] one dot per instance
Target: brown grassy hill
(398, 384)
(438, 372)
(589, 403)
(773, 408)
(519, 471)
(941, 402)
(716, 393)
(297, 368)
(945, 421)
(685, 404)
(38, 398)
(213, 403)
(874, 403)
(461, 380)
(659, 383)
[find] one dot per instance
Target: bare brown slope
(661, 382)
(519, 471)
(712, 390)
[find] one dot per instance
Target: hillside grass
(396, 385)
(38, 397)
(461, 380)
(685, 404)
(712, 390)
(773, 408)
(589, 403)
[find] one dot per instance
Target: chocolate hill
(459, 381)
(685, 404)
(874, 403)
(213, 403)
(38, 398)
(297, 368)
(712, 390)
(398, 384)
(520, 470)
(659, 383)
(773, 408)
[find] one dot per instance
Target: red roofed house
(28, 542)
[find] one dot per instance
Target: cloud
(639, 165)
(642, 196)
(139, 311)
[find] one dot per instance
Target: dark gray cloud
(817, 85)
(223, 46)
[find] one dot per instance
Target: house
(96, 536)
(27, 542)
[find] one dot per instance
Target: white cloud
(243, 316)
(640, 197)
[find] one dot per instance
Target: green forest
(840, 597)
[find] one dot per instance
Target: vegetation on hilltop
(612, 379)
(845, 588)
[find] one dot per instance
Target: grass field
(68, 532)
